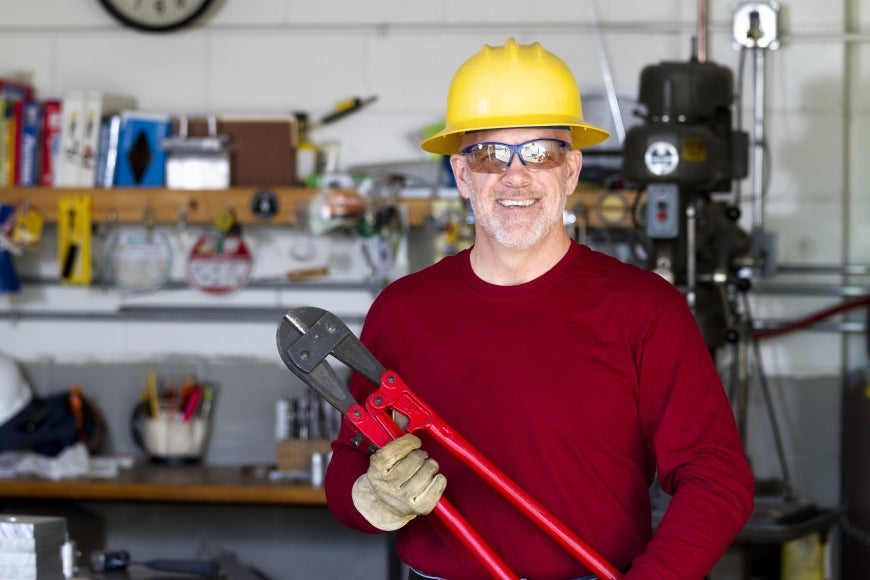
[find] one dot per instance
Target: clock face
(156, 15)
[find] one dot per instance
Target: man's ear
(460, 173)
(574, 163)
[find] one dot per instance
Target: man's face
(521, 206)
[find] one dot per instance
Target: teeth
(516, 202)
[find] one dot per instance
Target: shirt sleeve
(348, 461)
(699, 455)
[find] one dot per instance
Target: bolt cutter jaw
(307, 336)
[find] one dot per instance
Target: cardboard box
(262, 148)
(293, 454)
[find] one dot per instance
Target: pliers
(306, 336)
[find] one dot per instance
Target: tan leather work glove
(402, 482)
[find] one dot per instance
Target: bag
(48, 425)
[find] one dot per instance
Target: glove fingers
(399, 473)
(418, 495)
(425, 501)
(387, 456)
(374, 510)
(407, 478)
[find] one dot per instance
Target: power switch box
(662, 210)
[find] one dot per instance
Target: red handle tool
(375, 422)
(306, 336)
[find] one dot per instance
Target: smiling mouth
(516, 202)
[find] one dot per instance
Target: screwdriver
(110, 560)
(345, 108)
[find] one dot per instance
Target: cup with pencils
(171, 425)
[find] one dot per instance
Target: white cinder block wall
(268, 56)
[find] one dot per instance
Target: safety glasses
(537, 154)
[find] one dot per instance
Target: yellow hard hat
(512, 86)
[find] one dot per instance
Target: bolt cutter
(307, 336)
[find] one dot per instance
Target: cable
(768, 403)
(812, 319)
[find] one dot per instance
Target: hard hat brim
(446, 142)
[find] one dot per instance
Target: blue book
(28, 158)
(141, 159)
(107, 151)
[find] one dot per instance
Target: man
(577, 375)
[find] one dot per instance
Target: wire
(811, 319)
(768, 403)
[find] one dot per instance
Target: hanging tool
(116, 560)
(220, 261)
(307, 336)
(74, 239)
(139, 258)
(343, 109)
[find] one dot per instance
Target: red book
(13, 127)
(52, 123)
(15, 90)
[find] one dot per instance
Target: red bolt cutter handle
(380, 429)
(375, 422)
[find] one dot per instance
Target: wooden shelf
(174, 484)
(128, 205)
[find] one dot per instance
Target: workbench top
(145, 482)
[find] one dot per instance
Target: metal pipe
(691, 257)
(260, 284)
(809, 290)
(855, 327)
(161, 314)
(702, 31)
(610, 89)
(844, 269)
(758, 144)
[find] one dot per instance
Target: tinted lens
(496, 157)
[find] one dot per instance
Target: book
(141, 160)
(11, 120)
(68, 170)
(97, 106)
(50, 125)
(107, 153)
(13, 90)
(27, 143)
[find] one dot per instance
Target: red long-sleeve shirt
(579, 385)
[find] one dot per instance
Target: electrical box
(662, 210)
(756, 25)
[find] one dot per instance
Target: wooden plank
(173, 484)
(601, 208)
(128, 205)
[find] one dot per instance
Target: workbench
(145, 482)
(191, 493)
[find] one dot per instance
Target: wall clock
(156, 15)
